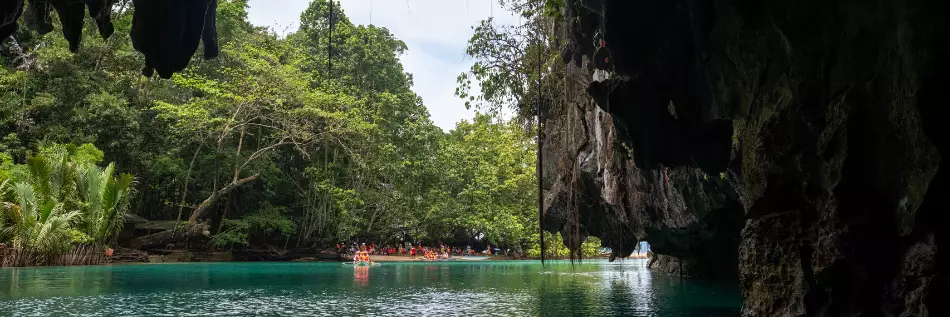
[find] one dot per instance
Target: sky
(436, 32)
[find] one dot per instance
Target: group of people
(363, 251)
(442, 253)
(362, 255)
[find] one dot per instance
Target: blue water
(474, 288)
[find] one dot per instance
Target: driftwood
(126, 255)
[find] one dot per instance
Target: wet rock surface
(793, 146)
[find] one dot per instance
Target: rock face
(682, 211)
(72, 16)
(795, 145)
(10, 11)
(166, 32)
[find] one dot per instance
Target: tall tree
(288, 142)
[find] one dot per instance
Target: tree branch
(184, 191)
(215, 195)
(261, 151)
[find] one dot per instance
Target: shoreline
(466, 258)
(226, 256)
(301, 261)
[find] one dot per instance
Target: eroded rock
(167, 32)
(10, 11)
(815, 128)
(682, 211)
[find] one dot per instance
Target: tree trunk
(200, 211)
(193, 228)
(217, 218)
(184, 191)
(174, 236)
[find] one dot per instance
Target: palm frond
(26, 198)
(105, 201)
(5, 227)
(59, 196)
(39, 173)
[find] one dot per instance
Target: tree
(359, 60)
(507, 61)
(295, 142)
(487, 187)
(247, 107)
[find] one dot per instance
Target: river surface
(460, 288)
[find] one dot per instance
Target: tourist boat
(361, 263)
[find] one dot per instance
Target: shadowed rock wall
(794, 144)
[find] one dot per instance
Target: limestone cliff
(797, 144)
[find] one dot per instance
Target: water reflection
(361, 276)
(630, 290)
(511, 288)
(36, 282)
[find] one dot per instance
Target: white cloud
(436, 32)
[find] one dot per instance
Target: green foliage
(6, 166)
(271, 222)
(234, 233)
(63, 199)
(488, 183)
(78, 154)
(79, 237)
(555, 248)
(38, 222)
(104, 199)
(498, 71)
(554, 8)
(337, 153)
(35, 220)
(512, 60)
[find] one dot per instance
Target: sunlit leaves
(357, 154)
(487, 183)
(508, 60)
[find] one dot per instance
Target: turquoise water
(474, 288)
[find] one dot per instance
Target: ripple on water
(282, 289)
(250, 302)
